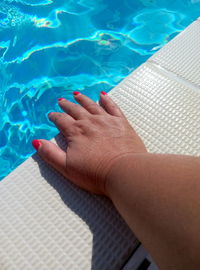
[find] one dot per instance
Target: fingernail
(103, 93)
(76, 93)
(36, 144)
(59, 99)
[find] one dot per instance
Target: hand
(97, 136)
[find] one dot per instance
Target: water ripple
(50, 48)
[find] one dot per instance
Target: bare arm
(159, 197)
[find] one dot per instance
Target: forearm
(159, 197)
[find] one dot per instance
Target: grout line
(138, 256)
(173, 75)
(130, 256)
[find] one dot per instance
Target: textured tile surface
(47, 223)
(182, 54)
(166, 113)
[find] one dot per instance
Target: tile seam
(172, 75)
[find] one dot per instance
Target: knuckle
(46, 152)
(91, 107)
(76, 108)
(80, 124)
(71, 107)
(113, 106)
(58, 118)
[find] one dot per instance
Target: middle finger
(91, 106)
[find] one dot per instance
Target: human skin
(157, 195)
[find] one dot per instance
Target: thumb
(52, 154)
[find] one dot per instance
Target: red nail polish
(36, 144)
(50, 114)
(103, 93)
(59, 99)
(76, 93)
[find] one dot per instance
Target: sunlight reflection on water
(48, 49)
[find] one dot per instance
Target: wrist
(117, 169)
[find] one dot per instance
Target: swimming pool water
(49, 48)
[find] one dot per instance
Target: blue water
(50, 48)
